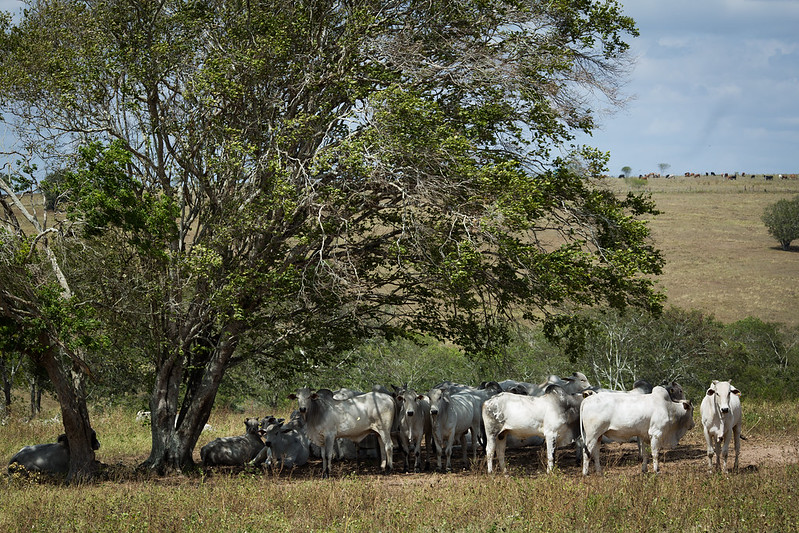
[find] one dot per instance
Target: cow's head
(303, 396)
(437, 397)
(721, 391)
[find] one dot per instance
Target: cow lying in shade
(50, 458)
(286, 444)
(234, 451)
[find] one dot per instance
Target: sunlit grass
(683, 497)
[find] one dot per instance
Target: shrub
(782, 220)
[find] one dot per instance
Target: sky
(714, 88)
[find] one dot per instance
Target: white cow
(452, 415)
(413, 426)
(355, 418)
(721, 419)
(653, 418)
(554, 416)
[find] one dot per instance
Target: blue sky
(715, 88)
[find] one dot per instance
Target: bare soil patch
(617, 459)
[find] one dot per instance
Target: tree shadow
(791, 249)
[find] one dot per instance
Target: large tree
(282, 178)
(41, 318)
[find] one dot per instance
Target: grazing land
(719, 258)
(719, 255)
(762, 496)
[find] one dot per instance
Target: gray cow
(355, 418)
(234, 451)
(50, 458)
(287, 445)
(414, 425)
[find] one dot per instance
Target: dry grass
(763, 496)
(719, 255)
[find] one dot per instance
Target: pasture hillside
(719, 255)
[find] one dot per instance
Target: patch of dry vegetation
(719, 255)
(764, 495)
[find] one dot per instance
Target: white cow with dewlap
(721, 420)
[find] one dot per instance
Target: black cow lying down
(50, 458)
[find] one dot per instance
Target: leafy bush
(782, 220)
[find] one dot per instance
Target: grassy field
(762, 496)
(719, 258)
(719, 255)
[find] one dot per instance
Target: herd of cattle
(493, 416)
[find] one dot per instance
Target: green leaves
(782, 220)
(106, 196)
(314, 172)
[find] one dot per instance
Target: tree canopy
(280, 179)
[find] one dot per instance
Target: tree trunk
(175, 434)
(7, 379)
(36, 396)
(69, 389)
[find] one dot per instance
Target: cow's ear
(686, 405)
(314, 396)
(710, 392)
(422, 397)
(292, 396)
(734, 390)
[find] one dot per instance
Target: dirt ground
(756, 454)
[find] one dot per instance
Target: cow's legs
(725, 451)
(736, 434)
(591, 449)
(655, 445)
(417, 453)
(327, 455)
(448, 451)
(644, 455)
(465, 449)
(439, 445)
(710, 450)
(551, 438)
(491, 442)
(500, 446)
(386, 452)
